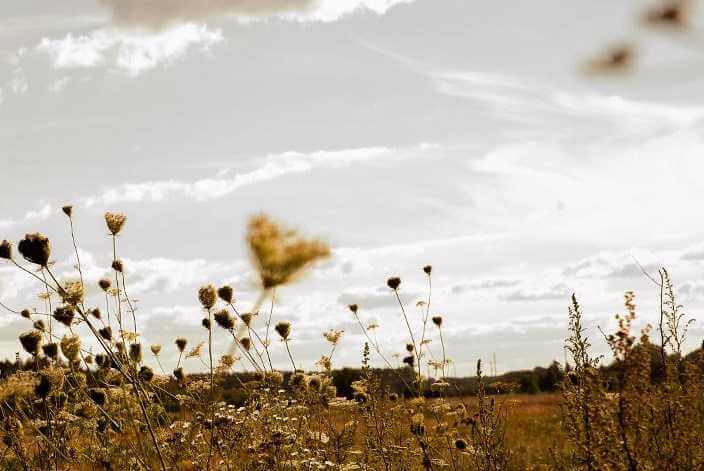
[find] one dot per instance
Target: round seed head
(354, 308)
(106, 333)
(181, 344)
(26, 314)
(6, 249)
(226, 293)
(88, 359)
(246, 343)
(394, 282)
(409, 347)
(117, 266)
(314, 383)
(115, 221)
(205, 323)
(428, 269)
(156, 348)
(35, 248)
(39, 325)
(102, 360)
(179, 374)
(64, 314)
(68, 210)
(283, 328)
(51, 350)
(73, 292)
(224, 319)
(246, 318)
(207, 296)
(31, 341)
(71, 346)
(97, 395)
(96, 313)
(105, 284)
(437, 320)
(136, 352)
(146, 374)
(43, 387)
(410, 360)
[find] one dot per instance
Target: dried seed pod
(35, 248)
(51, 350)
(354, 308)
(437, 320)
(68, 210)
(283, 328)
(394, 282)
(31, 341)
(226, 293)
(64, 314)
(207, 295)
(6, 250)
(428, 269)
(97, 395)
(181, 343)
(224, 319)
(115, 222)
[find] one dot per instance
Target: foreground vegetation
(70, 409)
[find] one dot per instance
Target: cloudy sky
(457, 133)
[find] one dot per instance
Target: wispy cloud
(30, 216)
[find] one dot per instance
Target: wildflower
(6, 250)
(409, 360)
(298, 381)
(106, 333)
(428, 269)
(117, 266)
(333, 336)
(115, 221)
(280, 254)
(35, 248)
(105, 284)
(51, 350)
(68, 210)
(283, 328)
(155, 348)
(196, 351)
(225, 293)
(324, 363)
(146, 374)
(102, 360)
(179, 374)
(71, 346)
(314, 382)
(439, 386)
(43, 387)
(409, 347)
(88, 359)
(95, 312)
(224, 319)
(353, 308)
(97, 395)
(26, 314)
(73, 292)
(205, 323)
(207, 296)
(246, 343)
(246, 318)
(437, 320)
(227, 361)
(394, 282)
(275, 377)
(136, 352)
(39, 325)
(181, 344)
(31, 341)
(64, 314)
(460, 444)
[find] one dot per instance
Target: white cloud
(131, 52)
(59, 84)
(19, 83)
(31, 216)
(333, 10)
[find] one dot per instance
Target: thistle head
(67, 210)
(224, 319)
(354, 308)
(156, 348)
(205, 323)
(35, 248)
(394, 282)
(115, 221)
(39, 325)
(207, 295)
(437, 320)
(118, 266)
(246, 318)
(410, 347)
(106, 333)
(43, 387)
(71, 347)
(246, 343)
(180, 374)
(6, 250)
(31, 341)
(73, 292)
(51, 350)
(410, 360)
(146, 374)
(226, 293)
(181, 344)
(97, 395)
(428, 269)
(95, 312)
(283, 328)
(64, 314)
(136, 352)
(26, 314)
(105, 284)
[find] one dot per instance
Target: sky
(456, 133)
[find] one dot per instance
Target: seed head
(35, 248)
(314, 382)
(97, 395)
(354, 308)
(43, 387)
(115, 221)
(428, 269)
(51, 350)
(136, 352)
(246, 343)
(64, 314)
(409, 347)
(71, 346)
(88, 359)
(225, 293)
(26, 314)
(224, 319)
(393, 282)
(6, 249)
(105, 284)
(106, 333)
(181, 344)
(410, 360)
(205, 323)
(73, 292)
(146, 374)
(179, 374)
(437, 320)
(156, 348)
(460, 444)
(95, 312)
(102, 360)
(39, 325)
(117, 266)
(246, 318)
(31, 341)
(207, 296)
(68, 210)
(283, 328)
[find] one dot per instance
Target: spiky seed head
(207, 295)
(73, 292)
(246, 318)
(226, 293)
(105, 284)
(88, 359)
(428, 269)
(97, 395)
(95, 312)
(31, 341)
(106, 333)
(181, 344)
(43, 387)
(68, 210)
(146, 374)
(64, 314)
(409, 347)
(156, 348)
(205, 323)
(437, 320)
(51, 350)
(6, 249)
(246, 343)
(354, 308)
(102, 360)
(71, 346)
(115, 221)
(283, 328)
(460, 444)
(136, 352)
(117, 266)
(26, 314)
(410, 360)
(394, 282)
(35, 248)
(39, 325)
(224, 319)
(120, 347)
(180, 374)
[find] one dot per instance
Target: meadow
(67, 408)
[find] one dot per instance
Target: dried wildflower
(372, 326)
(39, 325)
(205, 323)
(333, 336)
(409, 360)
(439, 386)
(437, 320)
(180, 374)
(207, 295)
(136, 352)
(68, 210)
(26, 314)
(73, 292)
(97, 395)
(418, 424)
(6, 250)
(181, 343)
(156, 348)
(64, 314)
(115, 221)
(354, 308)
(35, 248)
(31, 341)
(324, 363)
(118, 266)
(298, 381)
(51, 350)
(88, 359)
(102, 360)
(106, 333)
(71, 346)
(283, 328)
(226, 293)
(146, 374)
(95, 312)
(227, 361)
(104, 284)
(460, 444)
(428, 269)
(314, 383)
(410, 347)
(280, 254)
(196, 351)
(43, 387)
(276, 377)
(246, 343)
(224, 319)
(394, 282)
(247, 318)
